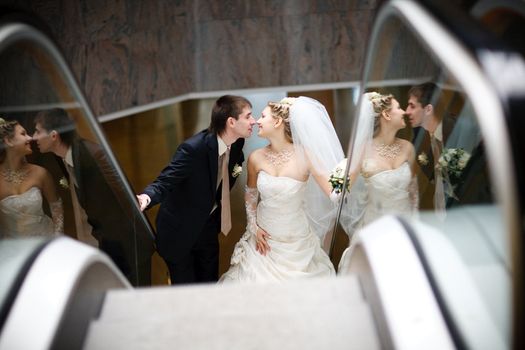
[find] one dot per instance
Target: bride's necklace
(14, 176)
(388, 151)
(278, 158)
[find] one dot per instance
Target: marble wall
(130, 53)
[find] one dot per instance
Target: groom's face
(414, 112)
(42, 138)
(243, 125)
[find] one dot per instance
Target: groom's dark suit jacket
(426, 172)
(187, 191)
(111, 212)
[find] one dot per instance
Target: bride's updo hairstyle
(281, 109)
(380, 104)
(7, 130)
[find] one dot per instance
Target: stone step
(325, 314)
(233, 298)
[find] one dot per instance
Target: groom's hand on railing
(144, 201)
(261, 241)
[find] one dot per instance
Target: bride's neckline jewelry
(15, 176)
(278, 158)
(388, 151)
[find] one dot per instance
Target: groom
(189, 190)
(97, 191)
(423, 112)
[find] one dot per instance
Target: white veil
(355, 201)
(314, 136)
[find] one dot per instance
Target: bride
(21, 188)
(382, 168)
(285, 228)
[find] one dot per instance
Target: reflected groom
(189, 190)
(429, 140)
(99, 191)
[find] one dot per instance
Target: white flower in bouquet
(463, 160)
(337, 177)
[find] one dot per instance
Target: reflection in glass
(451, 173)
(68, 152)
(24, 187)
(382, 166)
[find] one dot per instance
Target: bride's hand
(261, 243)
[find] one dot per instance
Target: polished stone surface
(131, 53)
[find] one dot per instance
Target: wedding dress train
(295, 249)
(22, 215)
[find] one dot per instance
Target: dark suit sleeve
(176, 171)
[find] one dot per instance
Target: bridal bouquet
(337, 177)
(451, 164)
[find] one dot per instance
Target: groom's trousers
(201, 263)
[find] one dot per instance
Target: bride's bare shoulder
(405, 144)
(37, 169)
(257, 155)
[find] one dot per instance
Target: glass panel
(58, 176)
(165, 128)
(420, 154)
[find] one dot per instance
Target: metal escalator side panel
(64, 276)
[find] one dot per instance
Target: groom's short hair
(425, 93)
(58, 120)
(226, 106)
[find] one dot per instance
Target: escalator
(438, 280)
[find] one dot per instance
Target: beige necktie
(82, 226)
(71, 172)
(439, 193)
(226, 220)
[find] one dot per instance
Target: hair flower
(288, 100)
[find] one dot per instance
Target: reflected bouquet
(337, 177)
(451, 164)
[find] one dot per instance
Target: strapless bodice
(281, 206)
(22, 215)
(28, 202)
(388, 192)
(398, 178)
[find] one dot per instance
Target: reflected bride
(22, 188)
(286, 226)
(382, 173)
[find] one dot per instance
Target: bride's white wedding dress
(22, 215)
(295, 249)
(388, 191)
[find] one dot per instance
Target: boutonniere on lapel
(63, 182)
(237, 170)
(422, 158)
